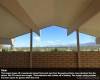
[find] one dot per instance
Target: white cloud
(36, 38)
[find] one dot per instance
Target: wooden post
(31, 41)
(78, 48)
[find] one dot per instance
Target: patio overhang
(82, 14)
(22, 15)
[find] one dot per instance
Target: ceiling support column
(31, 41)
(78, 48)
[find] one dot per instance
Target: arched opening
(54, 38)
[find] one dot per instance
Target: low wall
(14, 60)
(50, 60)
(55, 60)
(90, 60)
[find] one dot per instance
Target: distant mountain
(56, 46)
(71, 45)
(89, 44)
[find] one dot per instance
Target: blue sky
(52, 36)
